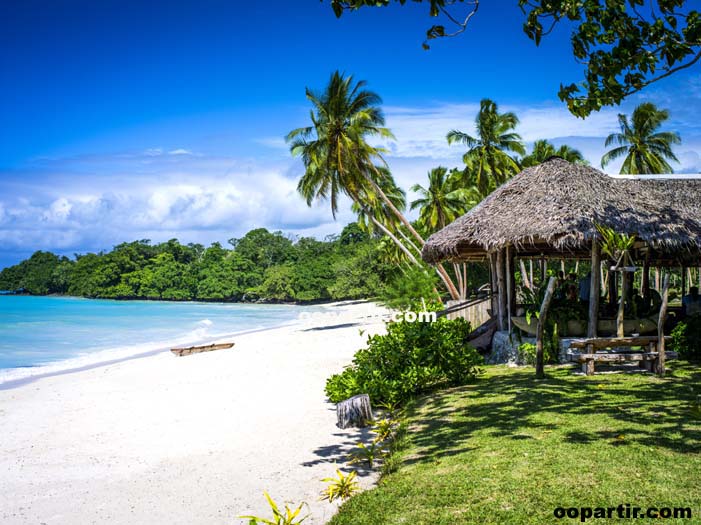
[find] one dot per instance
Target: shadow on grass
(642, 409)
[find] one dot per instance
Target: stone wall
(505, 349)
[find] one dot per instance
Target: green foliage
(527, 354)
(288, 517)
(613, 244)
(403, 290)
(408, 359)
(646, 149)
(625, 45)
(686, 338)
(341, 487)
(543, 150)
(488, 158)
(262, 266)
(369, 454)
(43, 273)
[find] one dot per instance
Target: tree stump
(355, 411)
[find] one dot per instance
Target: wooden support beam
(645, 284)
(501, 291)
(622, 305)
(509, 282)
(660, 327)
(494, 286)
(683, 281)
(613, 289)
(540, 364)
(594, 288)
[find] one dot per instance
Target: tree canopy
(624, 45)
(262, 266)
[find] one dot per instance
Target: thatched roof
(553, 207)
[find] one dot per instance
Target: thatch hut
(551, 211)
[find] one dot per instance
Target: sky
(125, 120)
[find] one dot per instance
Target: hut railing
(477, 311)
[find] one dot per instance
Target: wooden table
(647, 358)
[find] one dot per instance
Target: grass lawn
(510, 449)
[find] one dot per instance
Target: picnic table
(647, 357)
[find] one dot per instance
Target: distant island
(261, 266)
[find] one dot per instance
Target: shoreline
(184, 440)
(12, 377)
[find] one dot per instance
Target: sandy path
(192, 440)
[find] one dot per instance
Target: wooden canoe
(644, 325)
(198, 349)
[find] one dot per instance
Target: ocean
(47, 335)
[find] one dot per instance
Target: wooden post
(509, 282)
(645, 285)
(613, 289)
(493, 281)
(530, 268)
(543, 269)
(622, 305)
(524, 275)
(657, 279)
(683, 282)
(501, 297)
(661, 356)
(539, 363)
(562, 267)
(594, 289)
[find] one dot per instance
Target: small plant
(369, 454)
(383, 429)
(289, 517)
(390, 464)
(342, 487)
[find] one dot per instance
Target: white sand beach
(189, 440)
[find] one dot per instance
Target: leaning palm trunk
(408, 240)
(396, 241)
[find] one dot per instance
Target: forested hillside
(261, 266)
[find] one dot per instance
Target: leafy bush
(410, 358)
(527, 354)
(686, 338)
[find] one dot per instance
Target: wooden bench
(647, 359)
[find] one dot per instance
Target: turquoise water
(49, 334)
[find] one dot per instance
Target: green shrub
(408, 359)
(686, 338)
(527, 354)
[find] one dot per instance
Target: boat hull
(180, 352)
(579, 328)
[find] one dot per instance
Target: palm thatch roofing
(553, 208)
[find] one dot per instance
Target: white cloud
(421, 132)
(180, 151)
(197, 199)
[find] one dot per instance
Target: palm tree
(543, 150)
(646, 149)
(489, 150)
(443, 201)
(337, 157)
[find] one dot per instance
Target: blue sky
(126, 120)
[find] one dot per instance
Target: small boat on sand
(198, 349)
